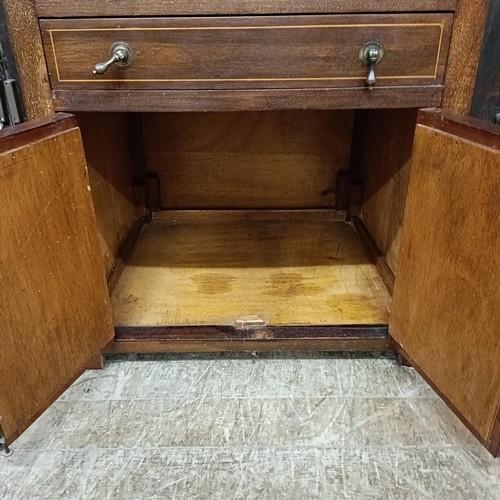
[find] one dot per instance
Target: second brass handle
(121, 55)
(370, 55)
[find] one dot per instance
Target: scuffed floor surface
(237, 426)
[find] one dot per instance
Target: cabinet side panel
(26, 43)
(445, 309)
(107, 142)
(55, 313)
(382, 164)
(463, 58)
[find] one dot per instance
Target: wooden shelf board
(215, 272)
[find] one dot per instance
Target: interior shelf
(237, 269)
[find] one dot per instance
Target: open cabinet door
(54, 308)
(446, 307)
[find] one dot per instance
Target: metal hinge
(10, 103)
(4, 447)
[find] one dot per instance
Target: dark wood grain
(467, 127)
(164, 333)
(95, 8)
(224, 338)
(247, 52)
(34, 130)
(247, 100)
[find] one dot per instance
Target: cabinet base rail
(158, 339)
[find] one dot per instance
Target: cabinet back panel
(248, 160)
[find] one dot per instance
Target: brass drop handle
(370, 55)
(121, 55)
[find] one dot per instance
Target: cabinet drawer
(230, 53)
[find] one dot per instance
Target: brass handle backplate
(121, 55)
(370, 55)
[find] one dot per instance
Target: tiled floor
(230, 426)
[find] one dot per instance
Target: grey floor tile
(211, 421)
(280, 377)
(54, 475)
(68, 425)
(14, 471)
(260, 473)
(277, 426)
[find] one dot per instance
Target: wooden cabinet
(277, 220)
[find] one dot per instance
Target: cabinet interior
(277, 218)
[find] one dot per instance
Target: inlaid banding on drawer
(252, 52)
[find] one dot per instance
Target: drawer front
(227, 53)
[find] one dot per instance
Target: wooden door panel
(446, 302)
(55, 314)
